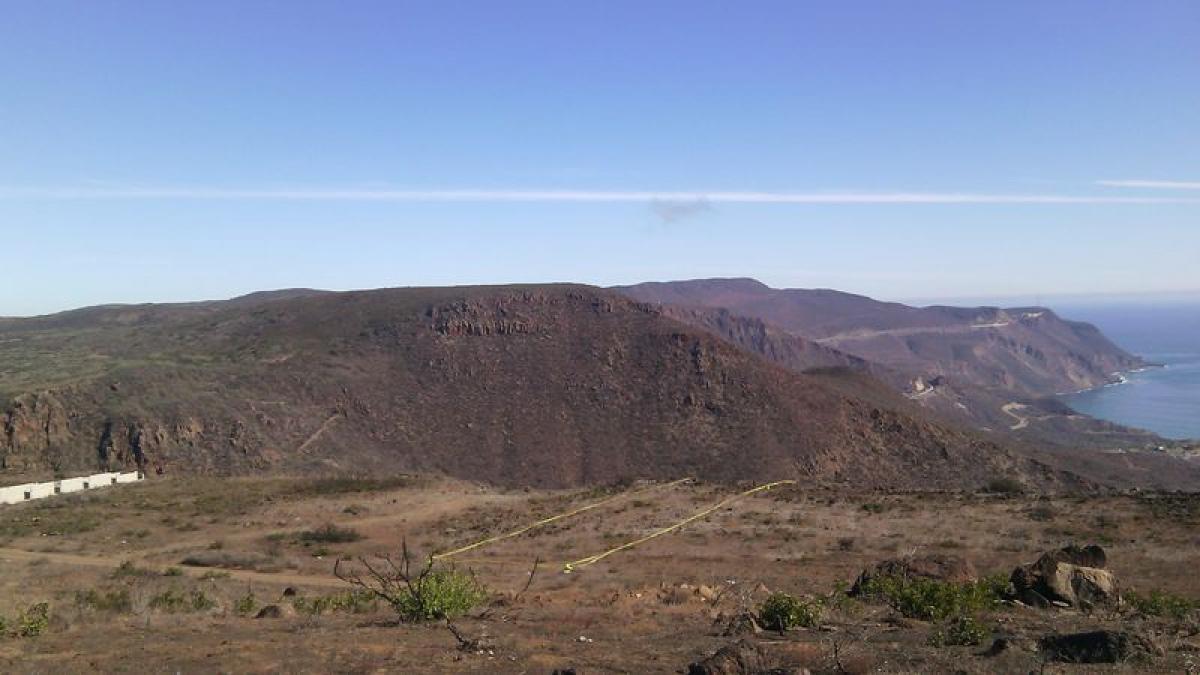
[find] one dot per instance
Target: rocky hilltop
(523, 385)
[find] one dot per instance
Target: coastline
(1154, 407)
(1121, 378)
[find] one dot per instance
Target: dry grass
(648, 601)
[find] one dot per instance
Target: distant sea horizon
(1165, 400)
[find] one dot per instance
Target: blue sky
(172, 151)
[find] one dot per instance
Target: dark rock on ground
(1102, 646)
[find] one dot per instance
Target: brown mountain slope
(542, 385)
(989, 368)
(1028, 351)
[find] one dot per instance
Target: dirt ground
(110, 564)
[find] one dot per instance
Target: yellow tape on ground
(551, 519)
(584, 562)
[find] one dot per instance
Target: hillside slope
(1029, 350)
(980, 365)
(543, 385)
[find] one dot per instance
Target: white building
(16, 494)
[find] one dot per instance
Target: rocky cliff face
(34, 424)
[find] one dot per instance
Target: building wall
(15, 494)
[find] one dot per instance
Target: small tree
(425, 594)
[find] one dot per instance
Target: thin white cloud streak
(1155, 184)
(551, 196)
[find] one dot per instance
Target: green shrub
(34, 620)
(961, 631)
(172, 572)
(441, 594)
(931, 600)
(781, 612)
(1158, 603)
(117, 601)
(331, 534)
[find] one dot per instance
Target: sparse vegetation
(1042, 513)
(246, 604)
(325, 487)
(115, 601)
(1159, 603)
(330, 534)
(356, 601)
(127, 569)
(232, 560)
(960, 631)
(174, 600)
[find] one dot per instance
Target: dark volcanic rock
(1102, 646)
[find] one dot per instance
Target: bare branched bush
(416, 593)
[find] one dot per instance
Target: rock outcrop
(743, 657)
(1073, 576)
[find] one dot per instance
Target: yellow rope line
(547, 521)
(583, 562)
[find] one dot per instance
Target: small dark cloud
(676, 211)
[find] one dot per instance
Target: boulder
(935, 566)
(275, 612)
(742, 623)
(1072, 576)
(1101, 646)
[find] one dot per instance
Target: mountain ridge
(976, 364)
(541, 385)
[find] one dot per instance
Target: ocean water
(1164, 400)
